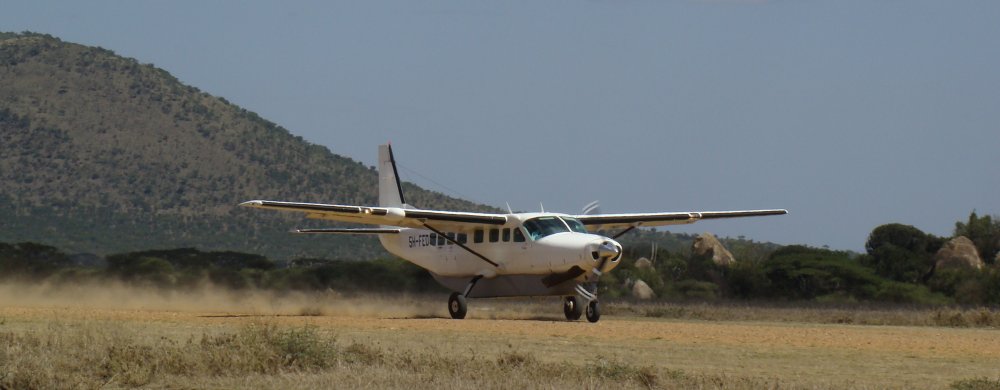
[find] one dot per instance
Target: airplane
(485, 255)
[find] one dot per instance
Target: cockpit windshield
(575, 224)
(544, 226)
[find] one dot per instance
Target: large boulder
(642, 291)
(958, 253)
(707, 245)
(643, 263)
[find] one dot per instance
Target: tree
(901, 252)
(984, 232)
(29, 259)
(800, 272)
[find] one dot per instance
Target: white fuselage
(511, 246)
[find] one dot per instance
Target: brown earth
(797, 354)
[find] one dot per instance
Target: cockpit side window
(518, 236)
(575, 225)
(544, 226)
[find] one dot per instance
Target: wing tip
(252, 203)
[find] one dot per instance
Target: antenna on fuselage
(509, 210)
(542, 206)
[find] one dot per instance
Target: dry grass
(261, 354)
(883, 315)
(118, 337)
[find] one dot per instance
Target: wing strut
(452, 240)
(622, 233)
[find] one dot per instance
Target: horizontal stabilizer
(347, 231)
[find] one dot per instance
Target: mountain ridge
(103, 154)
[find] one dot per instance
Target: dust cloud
(113, 295)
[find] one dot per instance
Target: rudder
(390, 191)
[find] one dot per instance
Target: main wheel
(593, 311)
(457, 306)
(572, 308)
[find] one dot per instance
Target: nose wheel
(593, 311)
(572, 308)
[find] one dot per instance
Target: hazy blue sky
(850, 114)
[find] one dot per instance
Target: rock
(707, 245)
(959, 253)
(643, 263)
(641, 290)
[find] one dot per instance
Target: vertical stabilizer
(390, 192)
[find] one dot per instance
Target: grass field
(113, 337)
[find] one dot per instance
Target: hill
(100, 153)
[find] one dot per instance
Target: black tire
(593, 311)
(457, 306)
(572, 308)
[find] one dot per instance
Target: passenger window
(440, 240)
(477, 236)
(462, 238)
(518, 236)
(506, 234)
(451, 238)
(494, 235)
(434, 239)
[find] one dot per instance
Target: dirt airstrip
(794, 353)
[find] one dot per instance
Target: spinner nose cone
(609, 249)
(606, 249)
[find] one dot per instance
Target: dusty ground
(792, 353)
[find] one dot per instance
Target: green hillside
(100, 153)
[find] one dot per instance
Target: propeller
(592, 208)
(605, 252)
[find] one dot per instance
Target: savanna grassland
(114, 336)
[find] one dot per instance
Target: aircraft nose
(606, 249)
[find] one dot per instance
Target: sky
(850, 114)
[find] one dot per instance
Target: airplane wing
(624, 221)
(385, 216)
(346, 231)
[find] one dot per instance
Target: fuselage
(528, 244)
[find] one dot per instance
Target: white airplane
(481, 255)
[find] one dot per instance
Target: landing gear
(457, 306)
(572, 308)
(593, 311)
(456, 302)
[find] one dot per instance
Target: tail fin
(390, 192)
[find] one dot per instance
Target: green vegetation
(189, 268)
(901, 252)
(102, 154)
(898, 267)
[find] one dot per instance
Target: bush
(800, 272)
(901, 252)
(30, 260)
(694, 289)
(898, 292)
